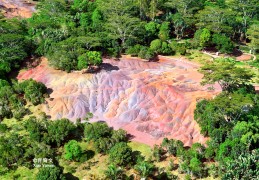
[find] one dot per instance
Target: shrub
(82, 62)
(165, 49)
(94, 58)
(3, 128)
(134, 50)
(103, 145)
(151, 28)
(121, 154)
(142, 52)
(149, 54)
(181, 49)
(146, 53)
(113, 172)
(197, 150)
(119, 135)
(157, 153)
(97, 130)
(89, 58)
(145, 168)
(173, 44)
(3, 83)
(223, 43)
(49, 173)
(73, 151)
(156, 45)
(178, 47)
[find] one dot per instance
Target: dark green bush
(146, 53)
(34, 91)
(223, 43)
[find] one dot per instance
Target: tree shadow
(49, 91)
(154, 59)
(237, 52)
(137, 156)
(165, 176)
(109, 67)
(70, 176)
(88, 154)
(130, 137)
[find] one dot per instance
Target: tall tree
(144, 168)
(120, 24)
(215, 19)
(226, 73)
(113, 172)
(153, 10)
(143, 6)
(245, 10)
(253, 35)
(121, 154)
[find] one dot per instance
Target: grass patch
(143, 148)
(198, 56)
(93, 168)
(254, 63)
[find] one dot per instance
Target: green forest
(76, 35)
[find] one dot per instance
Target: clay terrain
(17, 8)
(150, 100)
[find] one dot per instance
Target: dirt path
(243, 57)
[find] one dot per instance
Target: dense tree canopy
(230, 120)
(13, 44)
(226, 73)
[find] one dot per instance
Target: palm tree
(113, 172)
(145, 169)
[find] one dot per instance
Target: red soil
(150, 100)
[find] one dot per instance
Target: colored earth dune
(150, 100)
(17, 8)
